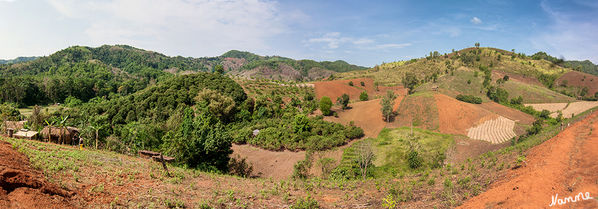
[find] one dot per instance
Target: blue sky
(361, 32)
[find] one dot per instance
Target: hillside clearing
(496, 131)
(568, 109)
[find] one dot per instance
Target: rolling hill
(87, 72)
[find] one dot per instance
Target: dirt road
(565, 165)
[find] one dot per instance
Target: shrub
(414, 160)
(498, 95)
(200, 142)
(517, 101)
(362, 83)
(71, 101)
(469, 99)
(301, 169)
(350, 83)
(307, 203)
(239, 167)
(364, 96)
(325, 105)
(343, 101)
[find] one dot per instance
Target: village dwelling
(14, 125)
(25, 134)
(53, 134)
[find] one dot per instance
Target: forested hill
(275, 67)
(87, 72)
(585, 66)
(17, 60)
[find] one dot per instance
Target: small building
(68, 134)
(25, 134)
(14, 125)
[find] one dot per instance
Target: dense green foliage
(17, 60)
(410, 81)
(364, 96)
(200, 141)
(325, 105)
(585, 66)
(498, 94)
(469, 99)
(343, 100)
(86, 72)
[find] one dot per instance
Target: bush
(350, 83)
(199, 142)
(343, 101)
(498, 95)
(414, 160)
(307, 203)
(362, 83)
(239, 167)
(325, 105)
(72, 101)
(364, 96)
(469, 99)
(301, 169)
(517, 101)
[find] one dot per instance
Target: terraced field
(495, 131)
(569, 110)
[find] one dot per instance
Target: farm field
(551, 168)
(496, 131)
(568, 109)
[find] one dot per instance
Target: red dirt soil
(508, 112)
(496, 74)
(21, 186)
(565, 165)
(455, 117)
(336, 88)
(266, 163)
(575, 78)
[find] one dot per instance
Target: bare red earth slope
(565, 165)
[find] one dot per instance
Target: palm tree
(62, 126)
(49, 123)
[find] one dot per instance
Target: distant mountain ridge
(17, 60)
(245, 64)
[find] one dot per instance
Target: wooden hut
(69, 134)
(14, 125)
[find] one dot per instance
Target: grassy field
(420, 110)
(392, 145)
(27, 111)
(465, 81)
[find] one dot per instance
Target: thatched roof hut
(68, 133)
(15, 125)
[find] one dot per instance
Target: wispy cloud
(476, 20)
(173, 26)
(570, 35)
(392, 46)
(334, 40)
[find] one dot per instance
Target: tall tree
(387, 104)
(410, 81)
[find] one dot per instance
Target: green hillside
(17, 60)
(465, 72)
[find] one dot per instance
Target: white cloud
(570, 36)
(389, 46)
(7, 0)
(334, 40)
(476, 20)
(190, 27)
